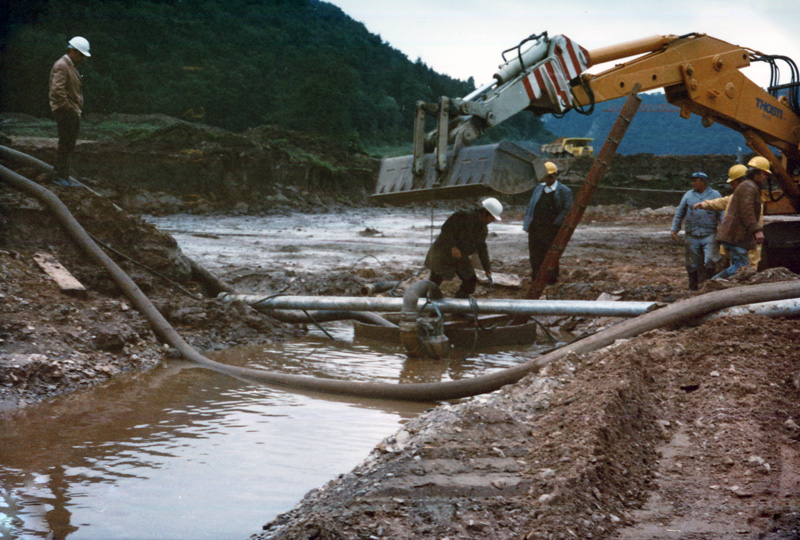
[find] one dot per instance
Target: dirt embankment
(675, 434)
(51, 343)
(190, 168)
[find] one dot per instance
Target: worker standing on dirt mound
(549, 204)
(700, 253)
(736, 176)
(741, 229)
(66, 102)
(463, 234)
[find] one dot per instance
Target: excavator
(699, 74)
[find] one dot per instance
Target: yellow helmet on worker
(736, 172)
(760, 162)
(551, 167)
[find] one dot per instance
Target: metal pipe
(369, 289)
(448, 305)
(778, 308)
(629, 48)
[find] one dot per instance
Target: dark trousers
(540, 238)
(69, 123)
(469, 281)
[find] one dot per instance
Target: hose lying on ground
(211, 285)
(670, 315)
(25, 159)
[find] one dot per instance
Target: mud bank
(53, 343)
(675, 434)
(192, 168)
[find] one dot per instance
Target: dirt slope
(51, 343)
(688, 433)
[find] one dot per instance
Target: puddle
(183, 452)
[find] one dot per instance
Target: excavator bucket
(502, 168)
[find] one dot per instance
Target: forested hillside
(657, 128)
(299, 64)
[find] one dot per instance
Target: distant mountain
(657, 128)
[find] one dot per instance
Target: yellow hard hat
(551, 167)
(735, 172)
(760, 162)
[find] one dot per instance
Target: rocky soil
(690, 432)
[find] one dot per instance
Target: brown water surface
(182, 452)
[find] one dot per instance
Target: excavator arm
(698, 73)
(701, 75)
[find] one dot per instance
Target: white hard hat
(494, 207)
(80, 44)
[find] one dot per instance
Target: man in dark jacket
(549, 204)
(463, 234)
(66, 102)
(741, 229)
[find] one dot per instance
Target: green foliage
(235, 64)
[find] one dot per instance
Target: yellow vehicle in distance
(575, 146)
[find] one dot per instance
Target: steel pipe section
(447, 305)
(778, 308)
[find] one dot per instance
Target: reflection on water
(314, 242)
(183, 452)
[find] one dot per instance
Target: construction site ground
(690, 432)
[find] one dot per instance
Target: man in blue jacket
(546, 211)
(701, 253)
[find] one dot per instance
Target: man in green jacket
(463, 234)
(66, 102)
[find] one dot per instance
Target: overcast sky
(465, 38)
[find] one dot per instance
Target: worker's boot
(693, 281)
(709, 271)
(467, 287)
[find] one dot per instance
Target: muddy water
(182, 452)
(318, 242)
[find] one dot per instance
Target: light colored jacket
(716, 204)
(66, 90)
(697, 222)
